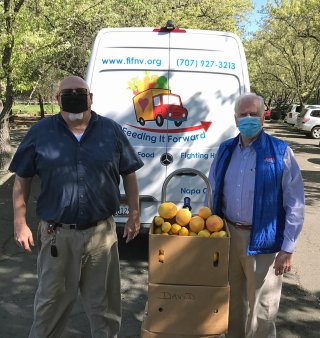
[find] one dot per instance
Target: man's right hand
(23, 237)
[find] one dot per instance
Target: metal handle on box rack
(186, 171)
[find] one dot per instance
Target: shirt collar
(251, 143)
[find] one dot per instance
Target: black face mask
(74, 103)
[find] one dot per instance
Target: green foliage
(51, 39)
(283, 55)
(54, 38)
(34, 109)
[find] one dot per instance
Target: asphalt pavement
(299, 314)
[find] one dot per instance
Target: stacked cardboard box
(188, 291)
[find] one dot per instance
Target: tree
(282, 58)
(198, 14)
(11, 9)
(46, 40)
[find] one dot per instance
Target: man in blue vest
(257, 187)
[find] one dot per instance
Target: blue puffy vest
(268, 213)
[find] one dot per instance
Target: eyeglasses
(82, 91)
(252, 114)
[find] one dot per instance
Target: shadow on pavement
(18, 278)
(299, 313)
(286, 133)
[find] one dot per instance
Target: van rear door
(173, 94)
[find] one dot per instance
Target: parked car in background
(279, 112)
(292, 114)
(267, 114)
(308, 121)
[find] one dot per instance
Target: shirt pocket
(249, 186)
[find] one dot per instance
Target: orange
(214, 223)
(167, 210)
(204, 212)
(196, 224)
(183, 216)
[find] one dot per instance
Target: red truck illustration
(157, 105)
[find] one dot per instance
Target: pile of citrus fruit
(174, 221)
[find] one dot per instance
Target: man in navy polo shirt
(79, 157)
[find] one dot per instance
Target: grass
(34, 109)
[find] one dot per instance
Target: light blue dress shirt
(238, 192)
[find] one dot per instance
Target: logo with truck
(153, 101)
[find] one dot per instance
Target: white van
(173, 92)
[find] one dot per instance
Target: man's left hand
(131, 229)
(282, 263)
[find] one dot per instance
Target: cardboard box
(148, 334)
(183, 309)
(188, 260)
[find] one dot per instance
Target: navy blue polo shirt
(79, 180)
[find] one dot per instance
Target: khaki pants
(88, 261)
(255, 290)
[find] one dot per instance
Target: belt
(73, 226)
(239, 225)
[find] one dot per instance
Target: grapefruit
(196, 224)
(214, 223)
(204, 212)
(167, 210)
(183, 216)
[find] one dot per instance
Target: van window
(315, 113)
(156, 101)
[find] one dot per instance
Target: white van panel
(173, 94)
(133, 38)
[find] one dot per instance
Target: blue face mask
(249, 126)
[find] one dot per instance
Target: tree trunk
(5, 145)
(10, 11)
(40, 100)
